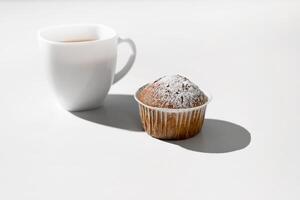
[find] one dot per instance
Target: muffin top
(172, 92)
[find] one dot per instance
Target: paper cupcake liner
(172, 124)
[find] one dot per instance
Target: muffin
(172, 107)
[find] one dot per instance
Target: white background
(245, 52)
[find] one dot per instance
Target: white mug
(81, 63)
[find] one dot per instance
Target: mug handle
(120, 74)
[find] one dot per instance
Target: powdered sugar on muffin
(172, 92)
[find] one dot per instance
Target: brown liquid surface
(79, 40)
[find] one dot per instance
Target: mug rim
(48, 28)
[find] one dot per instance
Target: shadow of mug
(119, 111)
(217, 136)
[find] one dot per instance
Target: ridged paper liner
(166, 124)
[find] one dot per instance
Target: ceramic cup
(81, 63)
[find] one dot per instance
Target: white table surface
(245, 52)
